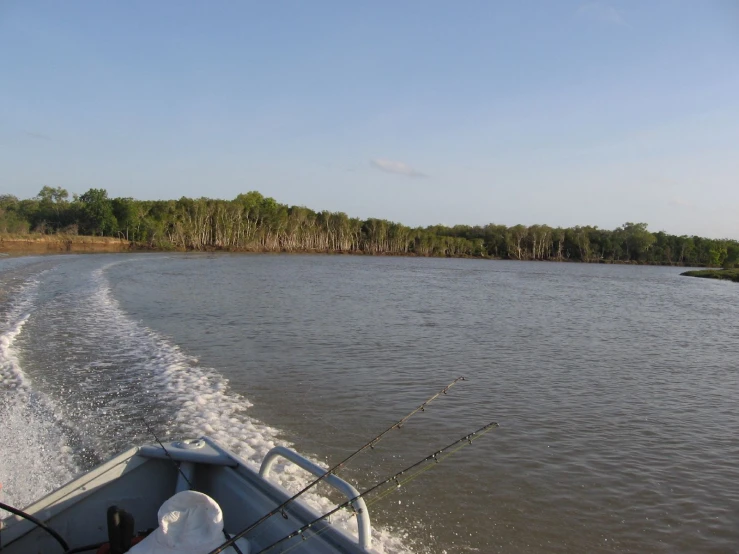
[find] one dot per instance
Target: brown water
(615, 387)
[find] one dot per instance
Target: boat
(86, 513)
(196, 497)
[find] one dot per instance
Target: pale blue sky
(558, 112)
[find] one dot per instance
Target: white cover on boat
(189, 523)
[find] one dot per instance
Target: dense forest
(252, 222)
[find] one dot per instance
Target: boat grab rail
(364, 528)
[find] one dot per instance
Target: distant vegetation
(726, 274)
(251, 222)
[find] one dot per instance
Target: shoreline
(720, 274)
(56, 244)
(82, 244)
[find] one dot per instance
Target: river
(616, 387)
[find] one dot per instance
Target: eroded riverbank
(54, 244)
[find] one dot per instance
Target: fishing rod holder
(364, 529)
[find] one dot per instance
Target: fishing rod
(435, 456)
(371, 444)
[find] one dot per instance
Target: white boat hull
(140, 480)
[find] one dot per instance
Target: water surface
(615, 386)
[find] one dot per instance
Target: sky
(422, 112)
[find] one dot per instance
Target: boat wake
(113, 377)
(35, 455)
(206, 405)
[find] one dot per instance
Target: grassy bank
(725, 274)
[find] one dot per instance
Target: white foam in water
(35, 457)
(205, 405)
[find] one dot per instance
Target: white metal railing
(364, 528)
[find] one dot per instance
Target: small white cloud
(399, 168)
(601, 11)
(677, 201)
(39, 136)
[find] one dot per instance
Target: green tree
(638, 240)
(11, 218)
(97, 211)
(52, 209)
(128, 216)
(732, 256)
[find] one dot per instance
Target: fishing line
(182, 473)
(371, 444)
(448, 450)
(398, 484)
(171, 459)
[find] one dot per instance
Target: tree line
(253, 222)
